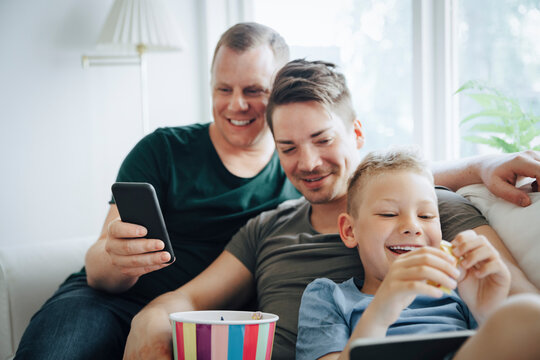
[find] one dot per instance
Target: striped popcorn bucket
(223, 335)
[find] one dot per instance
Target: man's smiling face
(241, 84)
(316, 150)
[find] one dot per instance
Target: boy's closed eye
(387, 214)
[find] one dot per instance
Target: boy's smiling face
(396, 212)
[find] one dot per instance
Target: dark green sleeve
(146, 162)
(457, 213)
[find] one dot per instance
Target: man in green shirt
(210, 179)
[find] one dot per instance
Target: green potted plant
(501, 123)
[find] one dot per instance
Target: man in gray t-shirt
(276, 254)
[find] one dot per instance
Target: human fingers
(435, 267)
(430, 275)
(431, 256)
(466, 242)
(509, 192)
(495, 268)
(145, 259)
(426, 264)
(523, 164)
(475, 256)
(119, 229)
(123, 246)
(137, 265)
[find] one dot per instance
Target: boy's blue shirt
(329, 312)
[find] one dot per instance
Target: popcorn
(447, 248)
(257, 315)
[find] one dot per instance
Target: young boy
(393, 219)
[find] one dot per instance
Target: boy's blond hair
(378, 162)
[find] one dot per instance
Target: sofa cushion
(518, 227)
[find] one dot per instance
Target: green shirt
(202, 202)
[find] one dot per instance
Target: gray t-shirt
(284, 253)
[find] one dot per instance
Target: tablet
(405, 347)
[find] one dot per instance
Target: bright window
(403, 89)
(499, 43)
(371, 42)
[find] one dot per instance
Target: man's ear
(346, 230)
(360, 139)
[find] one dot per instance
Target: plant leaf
(486, 100)
(529, 135)
(487, 113)
(471, 84)
(493, 128)
(480, 140)
(506, 147)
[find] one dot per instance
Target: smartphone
(137, 203)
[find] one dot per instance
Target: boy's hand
(407, 278)
(485, 281)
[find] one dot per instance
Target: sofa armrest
(29, 274)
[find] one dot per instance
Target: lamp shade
(139, 26)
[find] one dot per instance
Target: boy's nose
(411, 227)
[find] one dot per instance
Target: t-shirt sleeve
(322, 328)
(457, 213)
(243, 244)
(146, 162)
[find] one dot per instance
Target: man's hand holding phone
(132, 253)
(136, 240)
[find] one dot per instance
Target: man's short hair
(302, 81)
(379, 162)
(249, 35)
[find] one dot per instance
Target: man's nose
(238, 101)
(309, 159)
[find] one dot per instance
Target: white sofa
(29, 275)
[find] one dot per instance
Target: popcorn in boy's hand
(447, 248)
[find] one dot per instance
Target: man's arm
(117, 259)
(519, 283)
(498, 172)
(225, 284)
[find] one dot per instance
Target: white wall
(64, 130)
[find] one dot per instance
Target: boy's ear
(360, 139)
(346, 230)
